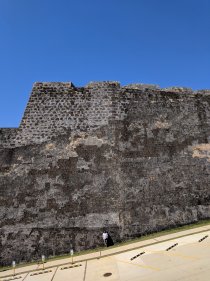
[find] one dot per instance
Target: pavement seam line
(176, 255)
(25, 276)
(85, 271)
(54, 273)
(139, 265)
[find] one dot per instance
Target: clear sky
(164, 42)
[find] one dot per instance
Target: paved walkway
(186, 259)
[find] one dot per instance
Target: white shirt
(105, 235)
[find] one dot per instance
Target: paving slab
(188, 260)
(17, 277)
(98, 269)
(182, 233)
(41, 275)
(18, 270)
(127, 247)
(70, 272)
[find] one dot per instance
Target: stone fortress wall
(133, 159)
(55, 108)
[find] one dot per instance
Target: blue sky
(164, 42)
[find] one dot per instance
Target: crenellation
(106, 85)
(109, 99)
(139, 86)
(177, 90)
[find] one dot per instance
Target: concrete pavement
(187, 260)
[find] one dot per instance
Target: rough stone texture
(132, 159)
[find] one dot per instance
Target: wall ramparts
(57, 108)
(132, 159)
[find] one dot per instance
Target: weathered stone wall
(55, 108)
(8, 137)
(132, 159)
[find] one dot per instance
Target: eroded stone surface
(128, 159)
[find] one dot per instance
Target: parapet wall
(57, 108)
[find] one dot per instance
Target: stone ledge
(43, 87)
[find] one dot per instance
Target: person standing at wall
(105, 237)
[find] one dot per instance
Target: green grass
(127, 242)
